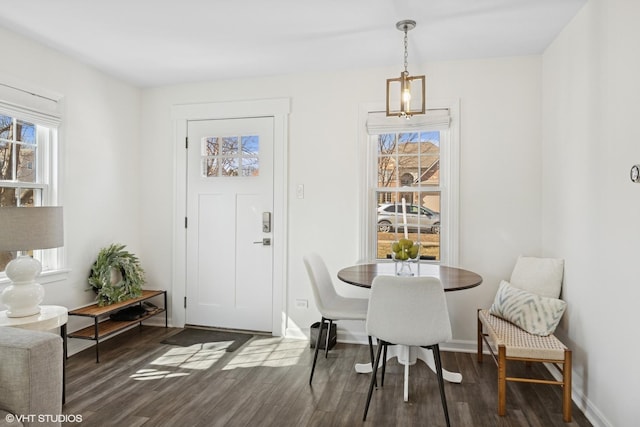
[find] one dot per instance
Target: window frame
(449, 185)
(42, 110)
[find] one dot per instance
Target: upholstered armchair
(30, 377)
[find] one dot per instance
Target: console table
(103, 326)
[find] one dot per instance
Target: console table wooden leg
(166, 311)
(95, 331)
(63, 333)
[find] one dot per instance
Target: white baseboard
(157, 321)
(296, 333)
(593, 414)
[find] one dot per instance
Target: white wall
(570, 197)
(591, 209)
(100, 158)
(500, 179)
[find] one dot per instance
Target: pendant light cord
(406, 54)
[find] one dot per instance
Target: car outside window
(410, 178)
(408, 168)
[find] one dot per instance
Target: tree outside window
(20, 180)
(408, 168)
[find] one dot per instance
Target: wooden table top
(453, 279)
(50, 317)
(94, 310)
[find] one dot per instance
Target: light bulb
(406, 100)
(406, 95)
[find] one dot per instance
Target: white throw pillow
(535, 314)
(542, 276)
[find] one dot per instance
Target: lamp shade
(30, 228)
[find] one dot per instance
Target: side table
(50, 317)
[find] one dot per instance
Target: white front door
(229, 261)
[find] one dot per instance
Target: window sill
(45, 277)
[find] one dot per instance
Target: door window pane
(230, 156)
(229, 166)
(250, 159)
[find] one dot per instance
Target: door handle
(264, 242)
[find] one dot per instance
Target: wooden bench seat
(515, 344)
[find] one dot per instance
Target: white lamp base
(23, 296)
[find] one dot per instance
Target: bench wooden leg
(566, 387)
(502, 380)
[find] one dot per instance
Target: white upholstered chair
(30, 376)
(408, 311)
(330, 304)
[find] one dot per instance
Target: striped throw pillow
(535, 314)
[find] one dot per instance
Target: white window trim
(450, 180)
(49, 276)
(42, 108)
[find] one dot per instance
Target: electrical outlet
(300, 191)
(302, 303)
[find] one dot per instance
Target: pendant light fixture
(405, 94)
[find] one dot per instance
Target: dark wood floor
(140, 381)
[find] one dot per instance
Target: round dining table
(452, 279)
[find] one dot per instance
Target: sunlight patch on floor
(154, 374)
(197, 356)
(271, 352)
(260, 351)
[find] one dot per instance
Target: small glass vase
(403, 268)
(411, 256)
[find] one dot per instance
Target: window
(411, 184)
(28, 159)
(230, 156)
(18, 151)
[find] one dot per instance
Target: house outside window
(412, 184)
(28, 159)
(19, 183)
(409, 171)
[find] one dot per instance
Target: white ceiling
(161, 42)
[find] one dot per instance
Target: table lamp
(26, 229)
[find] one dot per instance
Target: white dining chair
(330, 304)
(408, 311)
